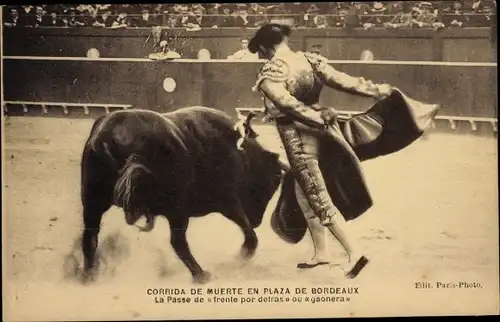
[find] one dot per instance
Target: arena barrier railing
(46, 105)
(452, 120)
(191, 61)
(221, 97)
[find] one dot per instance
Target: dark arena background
(435, 216)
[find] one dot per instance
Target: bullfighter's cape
(390, 125)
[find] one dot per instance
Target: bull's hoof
(247, 253)
(202, 278)
(88, 277)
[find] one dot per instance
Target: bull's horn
(248, 126)
(250, 116)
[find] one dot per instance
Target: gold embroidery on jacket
(276, 70)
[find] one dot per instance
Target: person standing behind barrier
(316, 49)
(291, 83)
(243, 53)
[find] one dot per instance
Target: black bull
(178, 165)
(186, 164)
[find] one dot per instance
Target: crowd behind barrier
(386, 14)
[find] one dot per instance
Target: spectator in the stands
(320, 21)
(256, 15)
(121, 20)
(445, 9)
(425, 17)
(345, 17)
(226, 19)
(476, 5)
(467, 6)
(87, 7)
(103, 8)
(489, 7)
(395, 9)
(159, 8)
(197, 19)
(297, 9)
(39, 14)
(243, 53)
(362, 11)
(172, 16)
(315, 16)
(482, 13)
(27, 16)
(53, 19)
(76, 18)
(11, 17)
(146, 19)
(241, 16)
(458, 13)
(403, 18)
(334, 15)
(184, 16)
(212, 15)
(86, 14)
(452, 13)
(377, 16)
(276, 11)
(126, 8)
(311, 11)
(104, 19)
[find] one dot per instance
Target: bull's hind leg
(178, 240)
(237, 214)
(96, 192)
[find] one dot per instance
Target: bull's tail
(134, 188)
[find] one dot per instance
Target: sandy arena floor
(435, 219)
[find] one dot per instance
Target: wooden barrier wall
(454, 44)
(461, 89)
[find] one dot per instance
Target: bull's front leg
(92, 221)
(237, 214)
(179, 242)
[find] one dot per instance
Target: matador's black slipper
(360, 264)
(308, 266)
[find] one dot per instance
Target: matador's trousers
(302, 146)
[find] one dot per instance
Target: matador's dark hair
(268, 36)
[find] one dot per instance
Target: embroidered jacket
(291, 84)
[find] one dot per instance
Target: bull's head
(263, 174)
(249, 136)
(245, 130)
